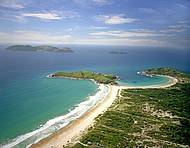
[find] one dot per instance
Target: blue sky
(103, 22)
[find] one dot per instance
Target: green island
(98, 77)
(157, 117)
(39, 48)
(182, 77)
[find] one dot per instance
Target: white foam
(57, 123)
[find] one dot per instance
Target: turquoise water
(147, 81)
(29, 102)
(28, 99)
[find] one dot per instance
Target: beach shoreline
(71, 133)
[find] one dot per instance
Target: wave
(59, 122)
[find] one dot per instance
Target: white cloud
(177, 28)
(126, 34)
(14, 4)
(114, 19)
(102, 2)
(132, 37)
(43, 16)
(98, 27)
(27, 37)
(121, 41)
(36, 37)
(49, 15)
(92, 2)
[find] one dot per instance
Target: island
(39, 48)
(118, 52)
(98, 77)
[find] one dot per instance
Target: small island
(98, 77)
(118, 52)
(39, 48)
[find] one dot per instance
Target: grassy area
(182, 77)
(98, 77)
(144, 117)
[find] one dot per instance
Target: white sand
(74, 130)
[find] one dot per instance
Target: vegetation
(144, 118)
(182, 77)
(98, 77)
(38, 48)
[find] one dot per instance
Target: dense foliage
(98, 77)
(144, 117)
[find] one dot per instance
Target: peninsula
(98, 77)
(39, 48)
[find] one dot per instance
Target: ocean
(33, 106)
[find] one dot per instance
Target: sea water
(29, 101)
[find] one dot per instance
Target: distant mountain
(39, 48)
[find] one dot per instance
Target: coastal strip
(72, 132)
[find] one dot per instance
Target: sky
(163, 23)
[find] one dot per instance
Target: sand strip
(72, 131)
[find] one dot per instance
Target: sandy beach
(72, 132)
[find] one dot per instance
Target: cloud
(126, 34)
(147, 10)
(43, 16)
(36, 37)
(102, 2)
(31, 37)
(49, 15)
(104, 38)
(92, 2)
(14, 4)
(114, 19)
(181, 6)
(121, 41)
(177, 28)
(98, 27)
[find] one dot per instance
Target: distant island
(118, 52)
(39, 48)
(98, 77)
